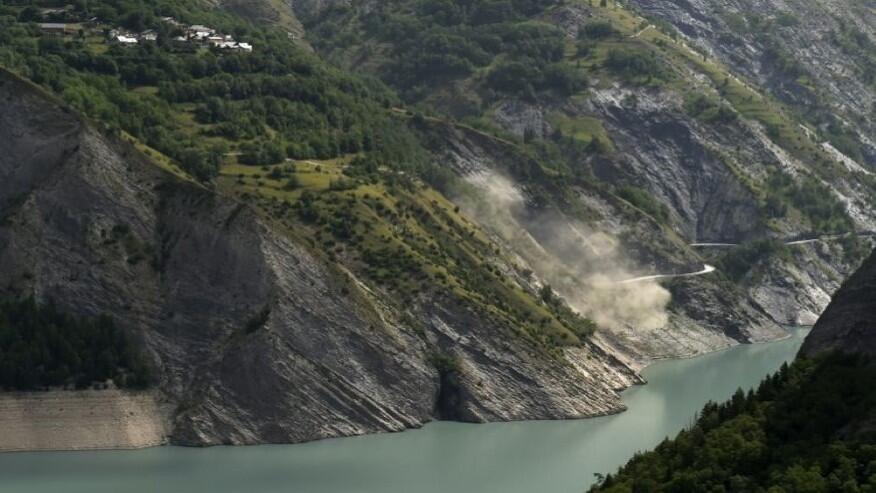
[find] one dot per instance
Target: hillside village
(183, 35)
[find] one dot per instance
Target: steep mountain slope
(580, 239)
(256, 337)
(807, 428)
(817, 56)
(632, 106)
(275, 12)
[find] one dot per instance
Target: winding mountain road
(707, 269)
(805, 241)
(715, 245)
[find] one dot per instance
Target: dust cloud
(583, 266)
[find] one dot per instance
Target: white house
(199, 32)
(124, 39)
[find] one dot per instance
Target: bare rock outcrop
(82, 420)
(849, 323)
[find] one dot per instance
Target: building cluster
(208, 36)
(194, 34)
(122, 37)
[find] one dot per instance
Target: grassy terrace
(408, 239)
(585, 129)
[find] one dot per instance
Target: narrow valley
(467, 245)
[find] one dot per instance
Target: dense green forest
(436, 42)
(41, 346)
(199, 104)
(807, 429)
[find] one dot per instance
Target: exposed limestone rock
(522, 119)
(704, 317)
(807, 29)
(82, 420)
(797, 292)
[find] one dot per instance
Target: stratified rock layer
(81, 420)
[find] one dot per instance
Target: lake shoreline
(437, 457)
(81, 420)
(153, 417)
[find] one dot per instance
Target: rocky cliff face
(545, 237)
(848, 323)
(814, 55)
(705, 172)
(795, 291)
(681, 161)
(715, 176)
(257, 337)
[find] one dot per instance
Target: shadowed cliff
(848, 323)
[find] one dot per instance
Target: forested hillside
(806, 429)
(196, 104)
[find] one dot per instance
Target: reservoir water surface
(526, 457)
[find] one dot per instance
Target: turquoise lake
(526, 457)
